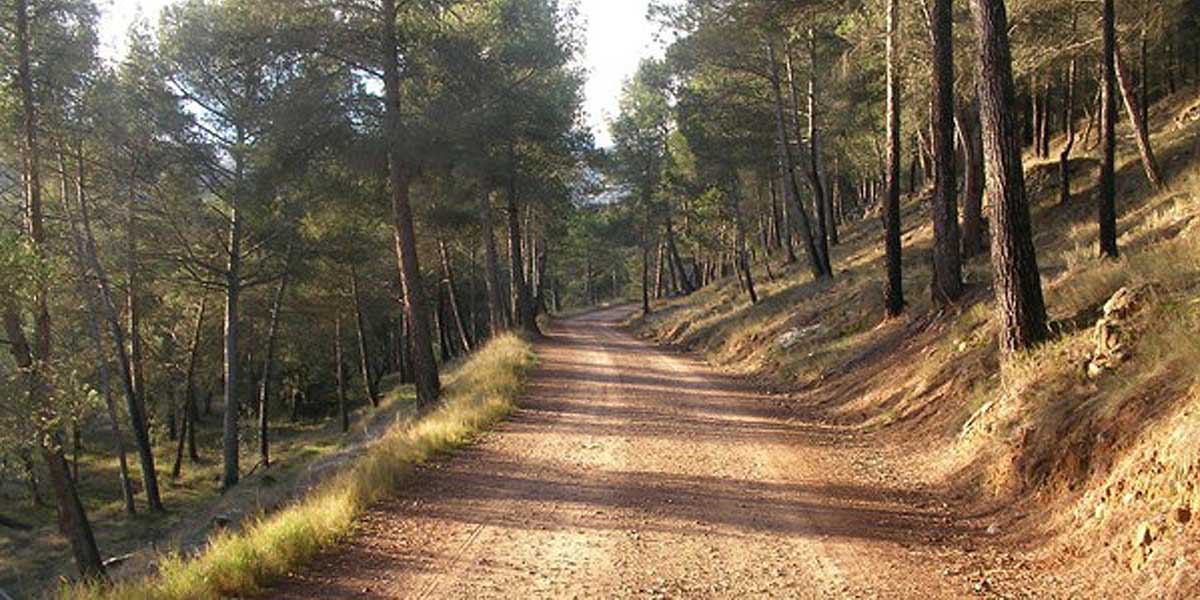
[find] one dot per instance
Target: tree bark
(340, 373)
(686, 285)
(972, 219)
(742, 256)
(1107, 209)
(496, 318)
(1064, 157)
(785, 224)
(95, 333)
(268, 370)
(72, 519)
(364, 351)
(428, 384)
(464, 337)
(1132, 110)
(136, 416)
(645, 278)
(232, 358)
(134, 314)
(523, 309)
(893, 295)
(189, 407)
(1022, 311)
(947, 267)
(814, 158)
(791, 190)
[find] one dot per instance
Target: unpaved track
(636, 472)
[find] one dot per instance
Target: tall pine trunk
(1107, 209)
(95, 333)
(1022, 311)
(232, 357)
(191, 413)
(972, 218)
(364, 351)
(136, 417)
(524, 311)
(947, 267)
(1136, 122)
(791, 190)
(425, 368)
(72, 518)
(460, 324)
(1064, 157)
(339, 369)
(893, 292)
(268, 371)
(491, 278)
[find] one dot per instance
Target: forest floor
(302, 453)
(632, 471)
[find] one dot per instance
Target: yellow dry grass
(479, 392)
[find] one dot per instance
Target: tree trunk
(264, 384)
(893, 295)
(1064, 157)
(659, 273)
(364, 352)
(189, 406)
(340, 373)
(232, 358)
(495, 296)
(95, 333)
(831, 200)
(947, 267)
(428, 384)
(134, 314)
(1144, 84)
(742, 256)
(1107, 213)
(1140, 134)
(180, 442)
(791, 191)
(645, 278)
(136, 416)
(814, 158)
(452, 297)
(1022, 311)
(972, 219)
(785, 225)
(523, 309)
(686, 285)
(72, 519)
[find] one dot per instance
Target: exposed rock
(792, 338)
(1188, 115)
(1182, 514)
(116, 560)
(1111, 349)
(1143, 536)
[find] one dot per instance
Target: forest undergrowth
(238, 561)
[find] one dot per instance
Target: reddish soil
(632, 471)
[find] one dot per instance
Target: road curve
(632, 471)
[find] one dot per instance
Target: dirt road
(636, 472)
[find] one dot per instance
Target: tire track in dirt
(635, 472)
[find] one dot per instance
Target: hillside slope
(1082, 457)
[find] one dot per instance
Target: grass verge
(481, 391)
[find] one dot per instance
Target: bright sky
(618, 37)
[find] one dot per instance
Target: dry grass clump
(479, 392)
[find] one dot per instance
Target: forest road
(635, 472)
